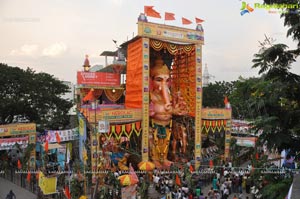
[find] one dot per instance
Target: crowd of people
(225, 181)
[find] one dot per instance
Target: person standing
(11, 195)
(215, 182)
(248, 184)
(226, 193)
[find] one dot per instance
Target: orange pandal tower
(134, 80)
(137, 86)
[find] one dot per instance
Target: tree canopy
(34, 96)
(214, 93)
(278, 91)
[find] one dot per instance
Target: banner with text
(98, 79)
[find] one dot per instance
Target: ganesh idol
(163, 105)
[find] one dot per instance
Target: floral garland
(173, 49)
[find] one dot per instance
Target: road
(21, 193)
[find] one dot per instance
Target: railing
(20, 179)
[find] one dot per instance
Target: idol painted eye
(158, 79)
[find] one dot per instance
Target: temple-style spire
(86, 65)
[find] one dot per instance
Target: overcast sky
(54, 36)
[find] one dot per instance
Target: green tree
(277, 97)
(214, 93)
(34, 96)
(240, 98)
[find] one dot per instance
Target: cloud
(54, 50)
(25, 50)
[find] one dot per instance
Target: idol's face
(161, 81)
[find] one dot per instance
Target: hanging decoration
(90, 96)
(62, 135)
(113, 94)
(173, 49)
(213, 125)
(8, 143)
(183, 76)
(97, 92)
(124, 130)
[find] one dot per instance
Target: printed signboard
(98, 79)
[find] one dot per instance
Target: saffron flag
(57, 137)
(67, 192)
(198, 20)
(90, 96)
(28, 176)
(225, 100)
(211, 164)
(192, 169)
(19, 164)
(47, 146)
(150, 12)
(169, 16)
(177, 180)
(256, 156)
(185, 21)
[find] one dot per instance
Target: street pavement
(21, 193)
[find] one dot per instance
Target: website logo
(246, 8)
(271, 8)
